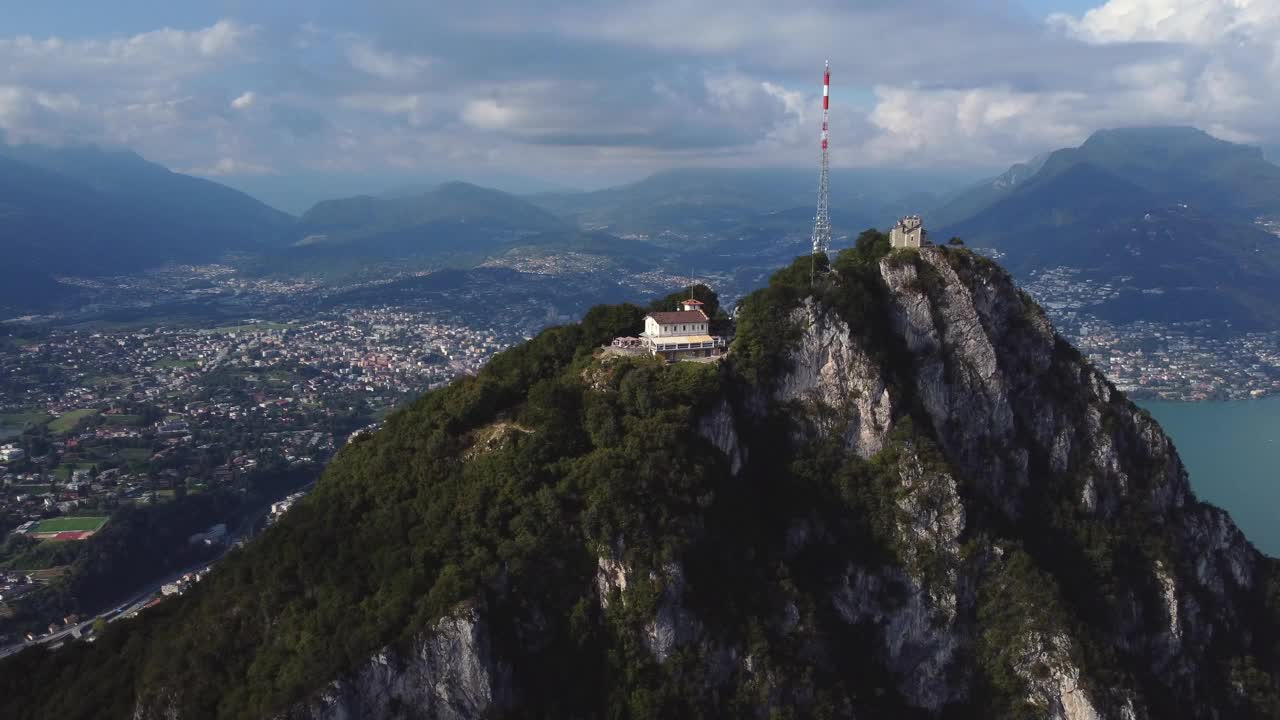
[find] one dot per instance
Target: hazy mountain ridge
(1173, 209)
(84, 211)
(963, 203)
(366, 217)
(691, 202)
(1173, 164)
(192, 204)
(1090, 207)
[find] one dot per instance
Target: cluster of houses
(179, 586)
(280, 507)
(16, 584)
(11, 453)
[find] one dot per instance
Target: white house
(688, 320)
(680, 334)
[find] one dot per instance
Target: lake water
(1232, 452)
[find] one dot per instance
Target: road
(132, 605)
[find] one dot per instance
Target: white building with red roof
(681, 334)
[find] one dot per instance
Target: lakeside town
(1187, 361)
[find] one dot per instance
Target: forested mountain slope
(901, 496)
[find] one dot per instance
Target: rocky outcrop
(720, 429)
(450, 673)
(835, 379)
(672, 625)
(1053, 680)
(999, 385)
(916, 607)
(1011, 406)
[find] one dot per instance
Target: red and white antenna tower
(822, 221)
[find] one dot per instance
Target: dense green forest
(505, 489)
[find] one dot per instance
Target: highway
(131, 606)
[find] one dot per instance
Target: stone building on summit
(909, 233)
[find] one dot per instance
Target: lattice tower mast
(822, 220)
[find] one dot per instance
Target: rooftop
(678, 316)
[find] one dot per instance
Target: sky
(339, 97)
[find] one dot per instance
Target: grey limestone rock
(450, 673)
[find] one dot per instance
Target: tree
(872, 245)
(956, 241)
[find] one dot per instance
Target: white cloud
(143, 60)
(116, 90)
(978, 126)
(488, 114)
(226, 166)
(386, 65)
(561, 88)
(28, 115)
(415, 108)
(1222, 78)
(143, 91)
(1197, 22)
(1209, 63)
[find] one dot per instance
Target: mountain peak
(1152, 133)
(901, 494)
(1176, 141)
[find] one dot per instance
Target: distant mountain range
(693, 208)
(85, 211)
(453, 219)
(1173, 210)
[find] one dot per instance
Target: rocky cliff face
(1017, 414)
(942, 513)
(449, 673)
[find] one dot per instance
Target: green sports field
(69, 524)
(68, 422)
